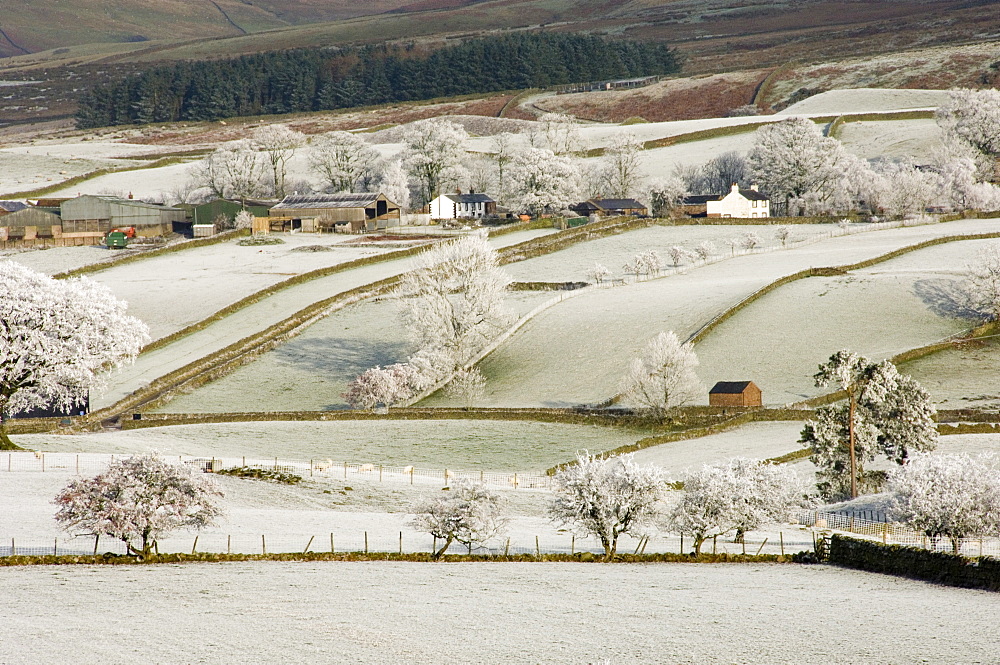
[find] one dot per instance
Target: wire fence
(93, 463)
(377, 541)
(896, 533)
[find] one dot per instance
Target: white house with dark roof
(462, 206)
(740, 203)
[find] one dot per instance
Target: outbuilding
(99, 214)
(351, 213)
(735, 393)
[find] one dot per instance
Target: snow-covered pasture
(174, 290)
(867, 100)
(572, 263)
(253, 318)
(53, 260)
(483, 613)
(892, 139)
(311, 371)
(879, 312)
(961, 377)
(473, 445)
(578, 351)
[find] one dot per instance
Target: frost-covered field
(868, 100)
(457, 444)
(879, 312)
(311, 371)
(484, 613)
(253, 318)
(892, 139)
(54, 260)
(754, 441)
(962, 377)
(572, 263)
(577, 352)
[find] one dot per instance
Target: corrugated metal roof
(326, 201)
(617, 204)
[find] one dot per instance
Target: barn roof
(12, 206)
(327, 201)
(730, 387)
(617, 204)
(700, 199)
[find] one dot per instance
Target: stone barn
(735, 393)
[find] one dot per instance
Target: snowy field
(253, 318)
(311, 371)
(895, 306)
(963, 377)
(485, 613)
(577, 352)
(867, 100)
(472, 445)
(572, 263)
(892, 139)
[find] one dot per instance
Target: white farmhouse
(462, 206)
(740, 203)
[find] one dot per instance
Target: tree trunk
(610, 546)
(5, 442)
(447, 543)
(850, 444)
(698, 542)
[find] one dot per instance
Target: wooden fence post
(682, 543)
(229, 544)
(308, 544)
(194, 547)
(13, 548)
(366, 542)
(332, 550)
(506, 548)
(263, 545)
(310, 468)
(714, 539)
(55, 547)
(345, 470)
(572, 545)
(781, 537)
(538, 550)
(761, 547)
(400, 543)
(97, 539)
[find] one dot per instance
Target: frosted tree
(395, 184)
(56, 338)
(663, 377)
(679, 255)
(503, 154)
(792, 158)
(453, 299)
(538, 181)
(434, 151)
(781, 235)
(961, 190)
(343, 160)
(138, 500)
(650, 262)
(606, 498)
(557, 132)
(900, 188)
(947, 496)
(664, 195)
(278, 144)
(233, 171)
(469, 514)
(886, 413)
(739, 496)
(599, 273)
(750, 241)
(982, 281)
(243, 220)
(468, 385)
(705, 250)
(385, 386)
(973, 118)
(622, 172)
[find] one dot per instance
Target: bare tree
(607, 498)
(720, 173)
(434, 153)
(468, 385)
(982, 281)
